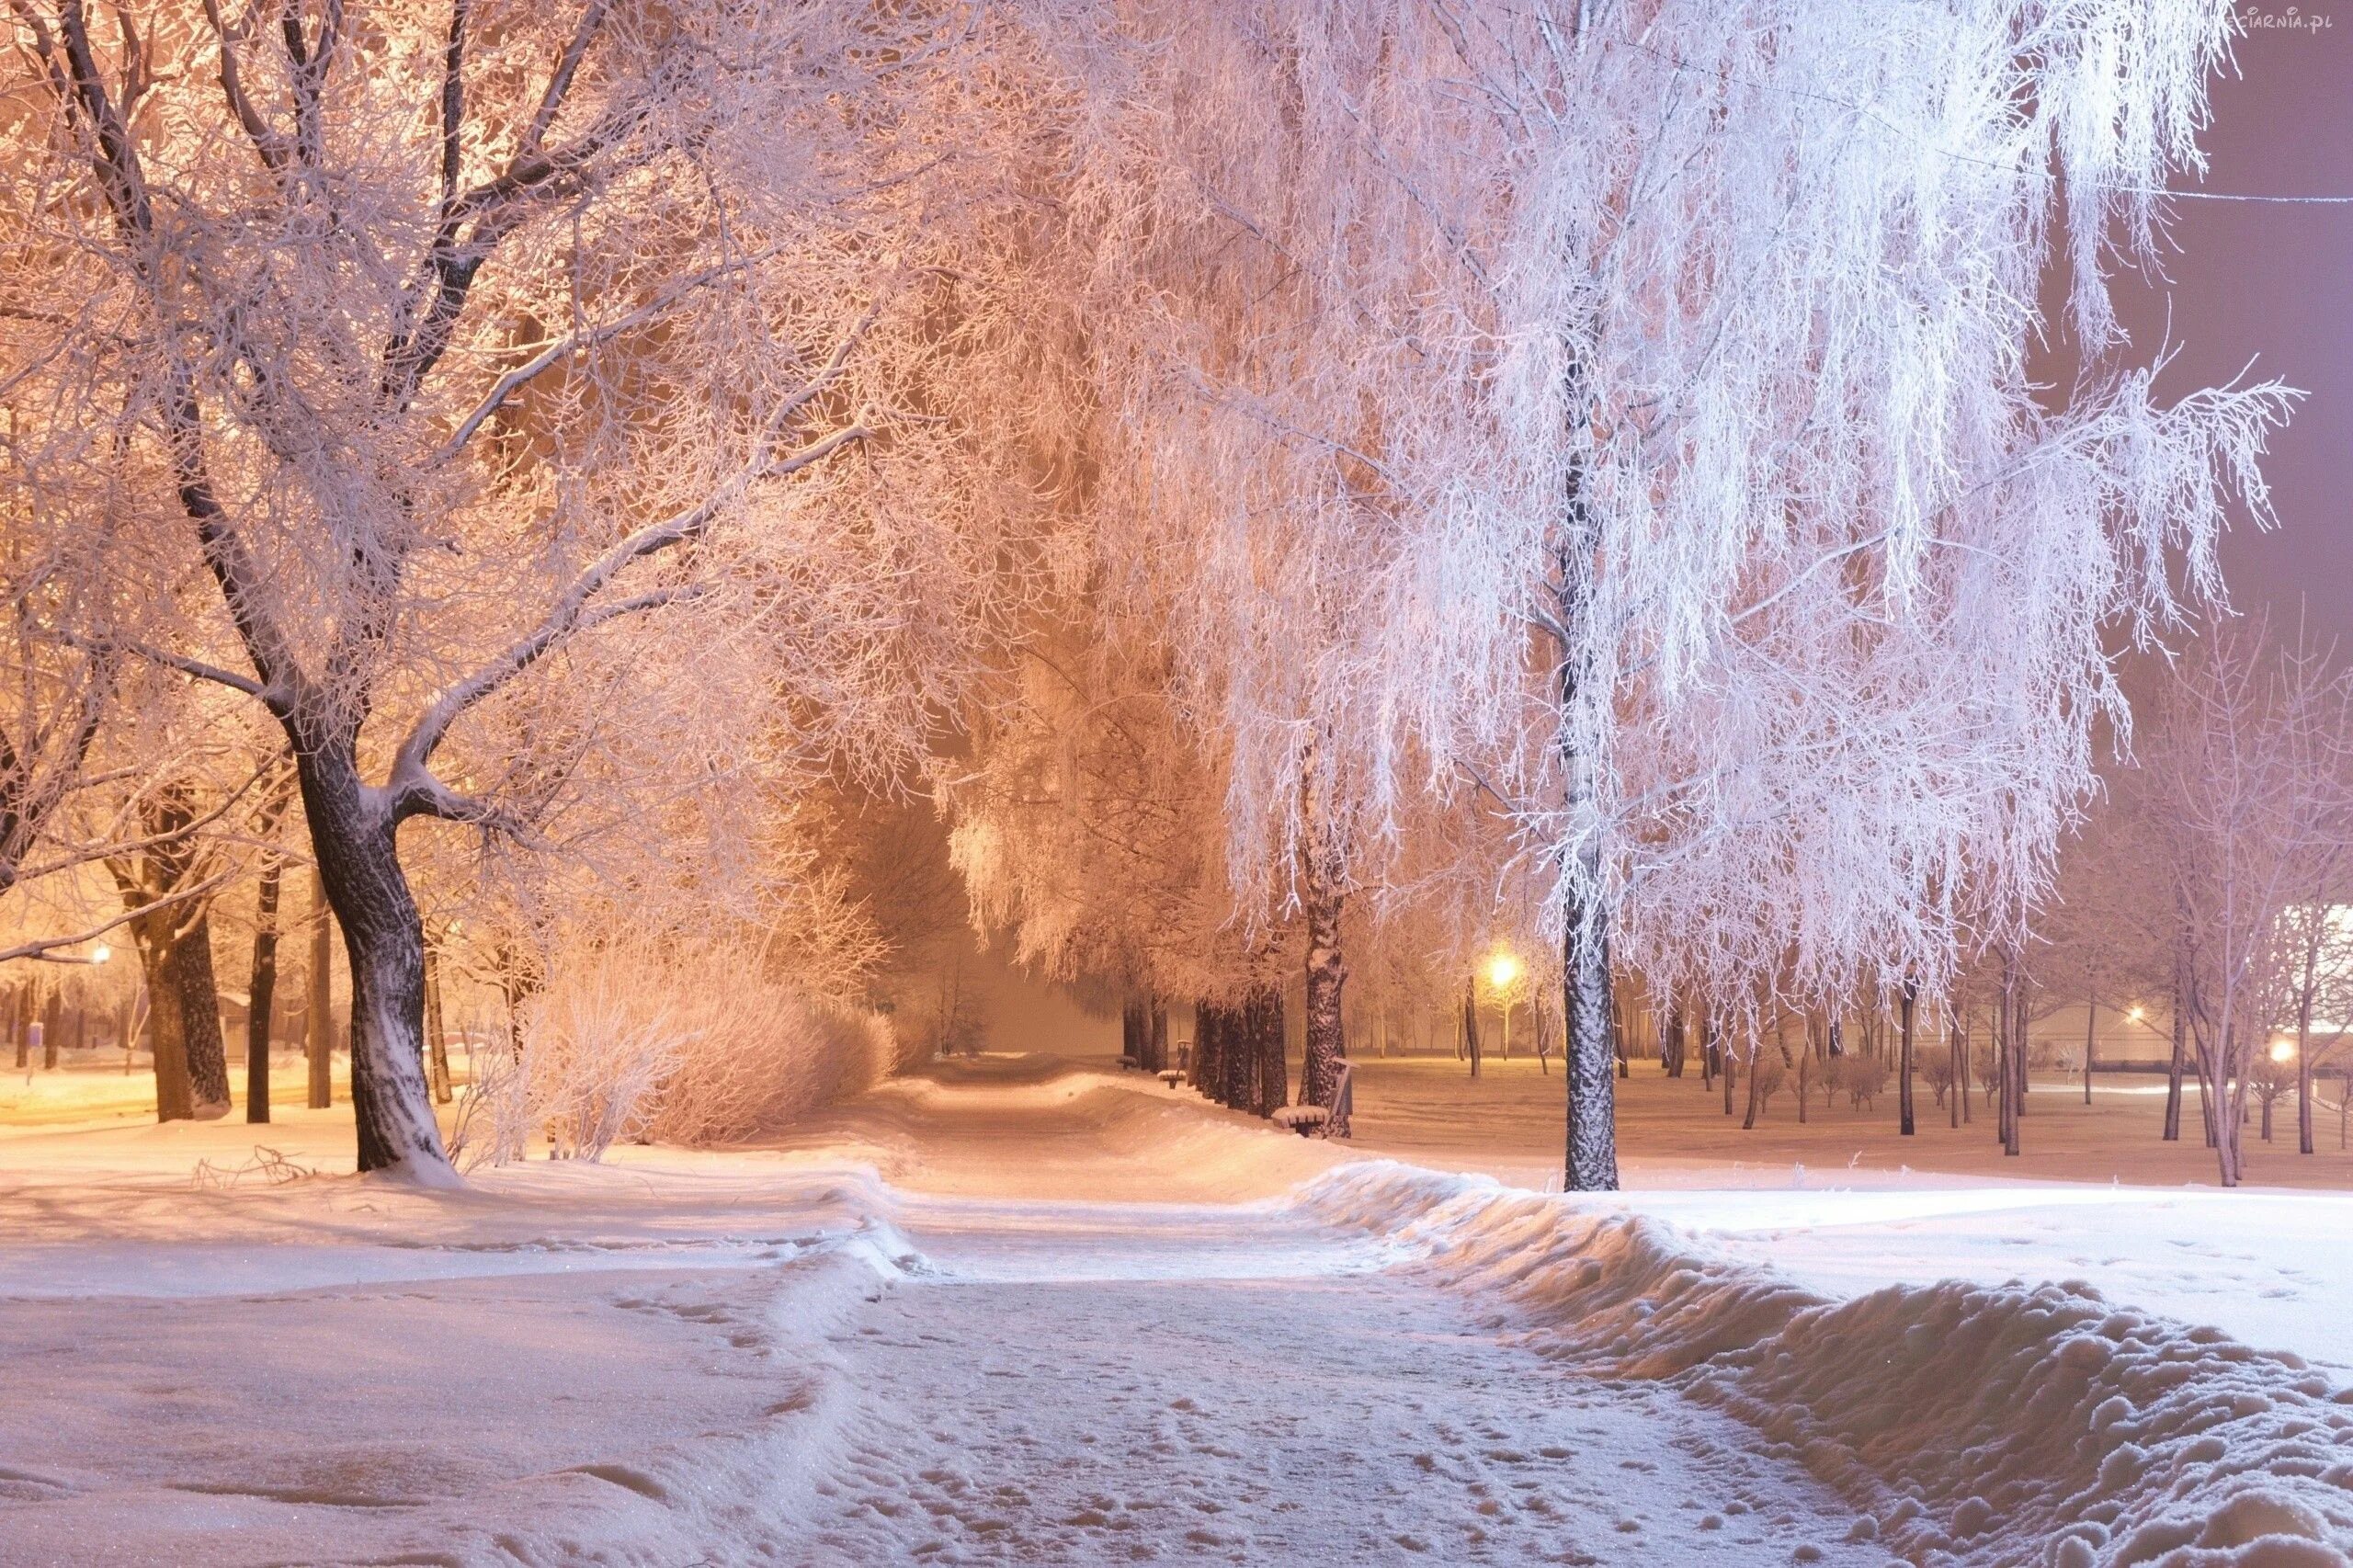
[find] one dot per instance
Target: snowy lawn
(1018, 1314)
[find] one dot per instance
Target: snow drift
(1969, 1426)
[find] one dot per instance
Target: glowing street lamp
(1502, 970)
(2283, 1050)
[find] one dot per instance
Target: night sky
(2274, 284)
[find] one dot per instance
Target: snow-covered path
(1085, 1383)
(1015, 1312)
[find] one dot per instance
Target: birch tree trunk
(1326, 973)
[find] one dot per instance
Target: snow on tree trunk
(354, 837)
(1586, 1002)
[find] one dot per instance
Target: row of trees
(1305, 488)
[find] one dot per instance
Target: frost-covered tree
(1658, 373)
(2252, 774)
(452, 344)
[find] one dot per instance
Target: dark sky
(2274, 284)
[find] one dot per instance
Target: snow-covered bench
(1127, 1063)
(1170, 1076)
(1303, 1120)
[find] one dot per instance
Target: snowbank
(1969, 1425)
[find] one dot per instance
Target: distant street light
(1502, 970)
(2283, 1050)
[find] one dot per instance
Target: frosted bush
(688, 1048)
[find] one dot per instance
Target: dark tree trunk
(173, 1102)
(1157, 1043)
(1327, 973)
(318, 1016)
(2179, 1064)
(1132, 1026)
(262, 994)
(1201, 1069)
(356, 836)
(21, 1023)
(1957, 1042)
(205, 1053)
(52, 1026)
(1907, 1006)
(1270, 1085)
(1240, 1055)
(436, 1036)
(1675, 1044)
(1724, 1071)
(2013, 1055)
(1470, 1024)
(1748, 1121)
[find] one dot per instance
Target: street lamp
(1503, 968)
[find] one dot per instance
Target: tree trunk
(1204, 1069)
(1131, 1024)
(52, 1026)
(1674, 1053)
(261, 997)
(1958, 1044)
(2013, 1050)
(1723, 1063)
(1471, 1023)
(173, 1100)
(1326, 973)
(2304, 1051)
(356, 841)
(2180, 1059)
(20, 1015)
(1748, 1122)
(1239, 1055)
(436, 1036)
(204, 1051)
(1270, 1087)
(318, 1026)
(1908, 1004)
(1159, 1045)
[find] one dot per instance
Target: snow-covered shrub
(1767, 1073)
(761, 1053)
(683, 1046)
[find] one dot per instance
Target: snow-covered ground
(1019, 1313)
